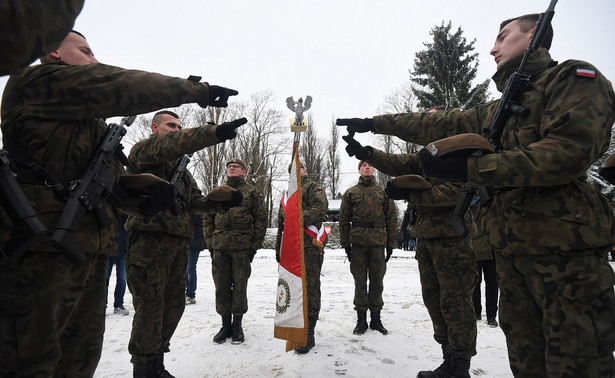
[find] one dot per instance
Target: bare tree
(332, 171)
(312, 152)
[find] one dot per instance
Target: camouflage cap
(220, 194)
(139, 182)
(239, 162)
(466, 144)
(411, 182)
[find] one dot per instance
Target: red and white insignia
(586, 72)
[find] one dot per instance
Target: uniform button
(515, 203)
(578, 216)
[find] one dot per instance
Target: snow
(408, 348)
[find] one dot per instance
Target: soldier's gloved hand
(389, 253)
(211, 253)
(355, 148)
(277, 255)
(227, 131)
(356, 125)
(252, 254)
(160, 197)
(608, 173)
(451, 167)
(236, 199)
(218, 96)
(395, 193)
(349, 253)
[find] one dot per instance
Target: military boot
(145, 370)
(375, 322)
(361, 323)
(311, 342)
(159, 369)
(440, 370)
(226, 330)
(460, 368)
(237, 330)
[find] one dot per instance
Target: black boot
(159, 369)
(311, 342)
(460, 368)
(361, 323)
(226, 330)
(237, 330)
(441, 370)
(375, 322)
(145, 370)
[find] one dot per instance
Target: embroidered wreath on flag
(284, 294)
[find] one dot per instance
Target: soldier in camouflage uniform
(31, 29)
(157, 257)
(54, 113)
(314, 204)
(233, 239)
(548, 227)
(368, 224)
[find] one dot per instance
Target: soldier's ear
(155, 128)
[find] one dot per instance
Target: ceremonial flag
(290, 321)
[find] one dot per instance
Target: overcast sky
(348, 55)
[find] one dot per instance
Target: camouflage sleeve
(443, 195)
(317, 205)
(162, 148)
(394, 164)
(575, 129)
(31, 29)
(208, 227)
(198, 203)
(390, 218)
(344, 219)
(103, 91)
(278, 238)
(260, 220)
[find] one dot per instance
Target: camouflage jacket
(542, 203)
(314, 204)
(480, 241)
(55, 112)
(31, 29)
(241, 227)
(434, 207)
(367, 216)
(159, 155)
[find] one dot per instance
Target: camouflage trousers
(368, 263)
(313, 259)
(156, 275)
(558, 314)
(52, 315)
(447, 267)
(231, 270)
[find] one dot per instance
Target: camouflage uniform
(314, 204)
(548, 227)
(55, 112)
(231, 237)
(31, 29)
(158, 252)
(447, 262)
(368, 222)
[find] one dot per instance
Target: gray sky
(348, 55)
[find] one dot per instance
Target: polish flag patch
(586, 72)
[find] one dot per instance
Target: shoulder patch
(585, 72)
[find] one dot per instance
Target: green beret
(411, 182)
(464, 143)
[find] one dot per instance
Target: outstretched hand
(227, 130)
(236, 199)
(218, 96)
(356, 125)
(355, 148)
(453, 167)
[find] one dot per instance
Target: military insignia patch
(586, 72)
(283, 300)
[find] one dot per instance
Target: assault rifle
(178, 183)
(508, 105)
(90, 191)
(27, 228)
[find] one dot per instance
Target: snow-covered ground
(408, 348)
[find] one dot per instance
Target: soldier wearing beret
(549, 228)
(233, 239)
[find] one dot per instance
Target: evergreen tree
(444, 71)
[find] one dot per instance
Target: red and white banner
(290, 321)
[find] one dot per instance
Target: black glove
(236, 199)
(252, 253)
(218, 96)
(211, 253)
(452, 167)
(160, 197)
(389, 253)
(355, 148)
(349, 253)
(356, 125)
(395, 193)
(227, 131)
(277, 256)
(608, 174)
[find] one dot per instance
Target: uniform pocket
(14, 328)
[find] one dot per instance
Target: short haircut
(527, 23)
(49, 59)
(158, 116)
